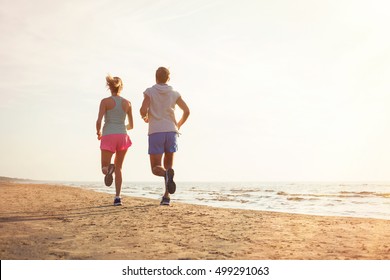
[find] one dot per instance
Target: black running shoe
(108, 179)
(165, 201)
(117, 201)
(170, 185)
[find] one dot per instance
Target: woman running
(114, 139)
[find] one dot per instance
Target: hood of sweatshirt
(162, 88)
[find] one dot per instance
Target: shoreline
(335, 200)
(62, 222)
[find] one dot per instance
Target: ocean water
(370, 200)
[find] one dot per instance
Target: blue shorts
(162, 142)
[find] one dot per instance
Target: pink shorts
(115, 142)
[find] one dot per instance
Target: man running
(158, 110)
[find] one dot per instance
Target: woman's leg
(119, 158)
(106, 160)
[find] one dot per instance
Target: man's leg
(157, 169)
(168, 163)
(163, 144)
(168, 160)
(155, 164)
(170, 147)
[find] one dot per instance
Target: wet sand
(58, 222)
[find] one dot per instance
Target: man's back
(162, 108)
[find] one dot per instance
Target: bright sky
(278, 90)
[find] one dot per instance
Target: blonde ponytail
(114, 84)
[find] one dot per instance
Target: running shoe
(169, 183)
(166, 201)
(108, 179)
(117, 201)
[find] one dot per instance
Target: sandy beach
(57, 222)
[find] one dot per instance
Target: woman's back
(114, 119)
